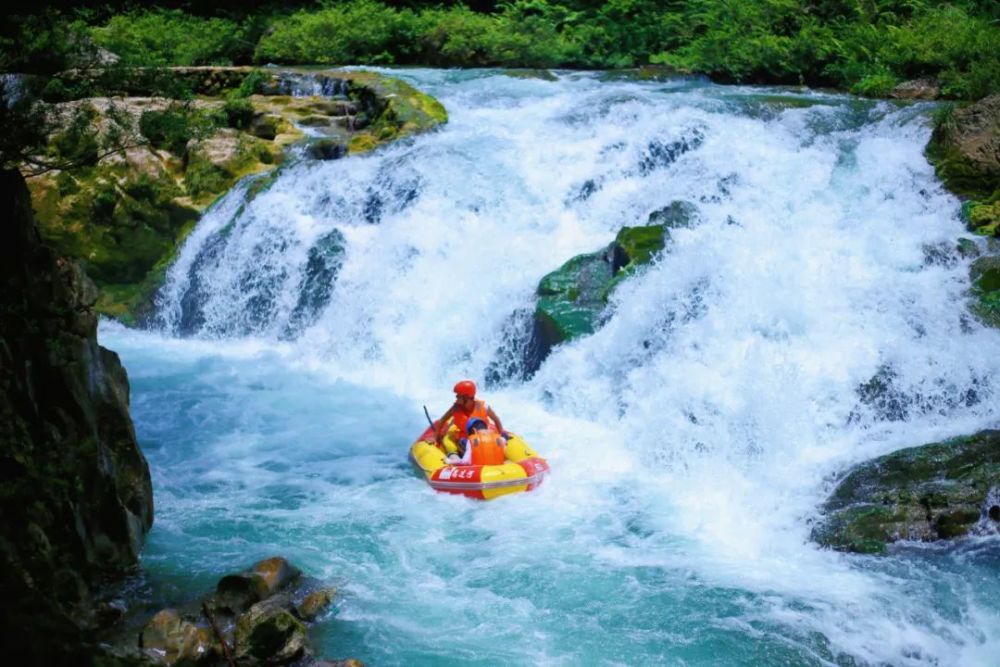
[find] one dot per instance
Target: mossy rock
(985, 277)
(965, 149)
(573, 298)
(933, 492)
(127, 232)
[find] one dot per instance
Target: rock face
(75, 498)
(934, 492)
(965, 149)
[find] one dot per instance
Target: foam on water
(692, 437)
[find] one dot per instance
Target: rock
(77, 499)
(315, 603)
(238, 591)
(572, 299)
(326, 149)
(917, 89)
(982, 218)
(169, 639)
(675, 215)
(933, 492)
(269, 634)
(219, 149)
(264, 126)
(965, 149)
(985, 276)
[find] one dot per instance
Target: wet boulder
(266, 578)
(965, 151)
(933, 492)
(269, 634)
(572, 299)
(170, 639)
(985, 277)
(315, 603)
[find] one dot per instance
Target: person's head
(465, 392)
(475, 425)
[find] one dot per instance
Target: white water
(691, 438)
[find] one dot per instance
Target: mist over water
(691, 438)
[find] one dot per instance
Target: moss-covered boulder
(985, 277)
(965, 150)
(934, 492)
(572, 299)
(269, 634)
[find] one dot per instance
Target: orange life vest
(460, 418)
(487, 448)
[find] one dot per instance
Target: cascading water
(812, 317)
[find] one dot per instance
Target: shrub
(359, 31)
(169, 37)
(238, 113)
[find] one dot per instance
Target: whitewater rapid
(691, 437)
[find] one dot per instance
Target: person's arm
(442, 425)
(496, 420)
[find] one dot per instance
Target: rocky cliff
(75, 494)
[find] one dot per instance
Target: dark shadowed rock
(934, 492)
(239, 591)
(268, 634)
(75, 494)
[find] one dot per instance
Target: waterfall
(813, 316)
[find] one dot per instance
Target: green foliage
(866, 46)
(361, 31)
(172, 128)
(77, 142)
(238, 113)
(169, 37)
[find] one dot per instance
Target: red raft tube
(523, 469)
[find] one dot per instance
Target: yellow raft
(524, 469)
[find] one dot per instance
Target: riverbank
(126, 214)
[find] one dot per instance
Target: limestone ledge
(126, 216)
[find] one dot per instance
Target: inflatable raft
(523, 470)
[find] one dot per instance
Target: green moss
(640, 244)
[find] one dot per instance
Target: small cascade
(305, 84)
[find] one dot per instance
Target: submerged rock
(934, 492)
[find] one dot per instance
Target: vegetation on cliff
(75, 498)
(867, 47)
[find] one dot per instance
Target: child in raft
(483, 446)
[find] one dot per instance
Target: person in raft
(482, 447)
(465, 408)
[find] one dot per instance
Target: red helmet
(466, 388)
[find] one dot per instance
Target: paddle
(431, 422)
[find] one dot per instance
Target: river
(691, 438)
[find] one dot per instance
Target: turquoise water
(691, 438)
